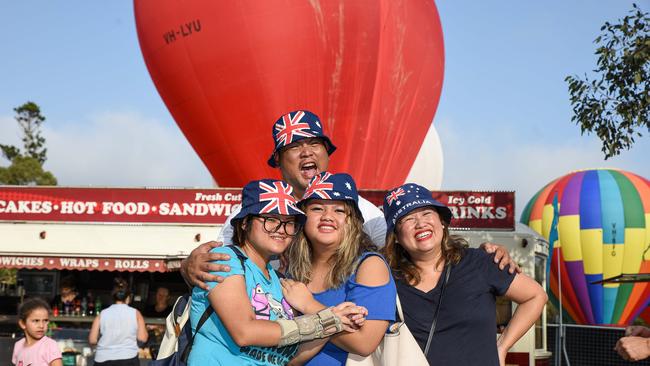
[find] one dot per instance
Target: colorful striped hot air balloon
(604, 231)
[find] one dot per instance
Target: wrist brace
(307, 327)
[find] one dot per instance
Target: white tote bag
(173, 326)
(398, 348)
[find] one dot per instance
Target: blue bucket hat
(295, 126)
(335, 187)
(268, 196)
(406, 198)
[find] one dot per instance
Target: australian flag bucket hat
(295, 126)
(406, 198)
(268, 196)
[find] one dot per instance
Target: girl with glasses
(246, 320)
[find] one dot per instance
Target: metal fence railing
(586, 345)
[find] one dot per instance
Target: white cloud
(492, 159)
(122, 149)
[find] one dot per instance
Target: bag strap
(435, 317)
(208, 310)
(206, 314)
(242, 258)
(177, 311)
(399, 309)
(240, 255)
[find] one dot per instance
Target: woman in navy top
(334, 260)
(421, 253)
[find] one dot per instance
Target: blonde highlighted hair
(355, 242)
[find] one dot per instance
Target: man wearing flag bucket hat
(301, 151)
(448, 291)
(253, 322)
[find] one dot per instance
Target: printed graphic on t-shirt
(264, 305)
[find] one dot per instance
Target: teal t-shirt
(213, 345)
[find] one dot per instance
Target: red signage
(135, 205)
(470, 209)
(91, 264)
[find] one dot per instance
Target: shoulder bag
(399, 347)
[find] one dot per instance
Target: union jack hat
(336, 187)
(406, 198)
(268, 196)
(295, 126)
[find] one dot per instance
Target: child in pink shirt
(35, 349)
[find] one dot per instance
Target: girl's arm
(93, 336)
(307, 351)
(300, 298)
(530, 297)
(142, 334)
(352, 318)
(371, 272)
(56, 362)
(232, 305)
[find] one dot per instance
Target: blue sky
(503, 118)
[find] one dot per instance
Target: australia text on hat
(409, 204)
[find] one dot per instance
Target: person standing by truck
(117, 329)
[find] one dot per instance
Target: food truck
(93, 235)
(49, 234)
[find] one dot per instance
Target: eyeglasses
(273, 224)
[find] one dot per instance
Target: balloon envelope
(428, 165)
(604, 230)
(371, 69)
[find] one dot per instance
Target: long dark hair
(239, 233)
(452, 247)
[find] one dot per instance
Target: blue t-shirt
(379, 300)
(213, 345)
(466, 327)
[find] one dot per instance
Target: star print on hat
(328, 186)
(402, 200)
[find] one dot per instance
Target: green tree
(26, 167)
(616, 103)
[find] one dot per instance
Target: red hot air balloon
(371, 69)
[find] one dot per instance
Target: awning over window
(84, 263)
